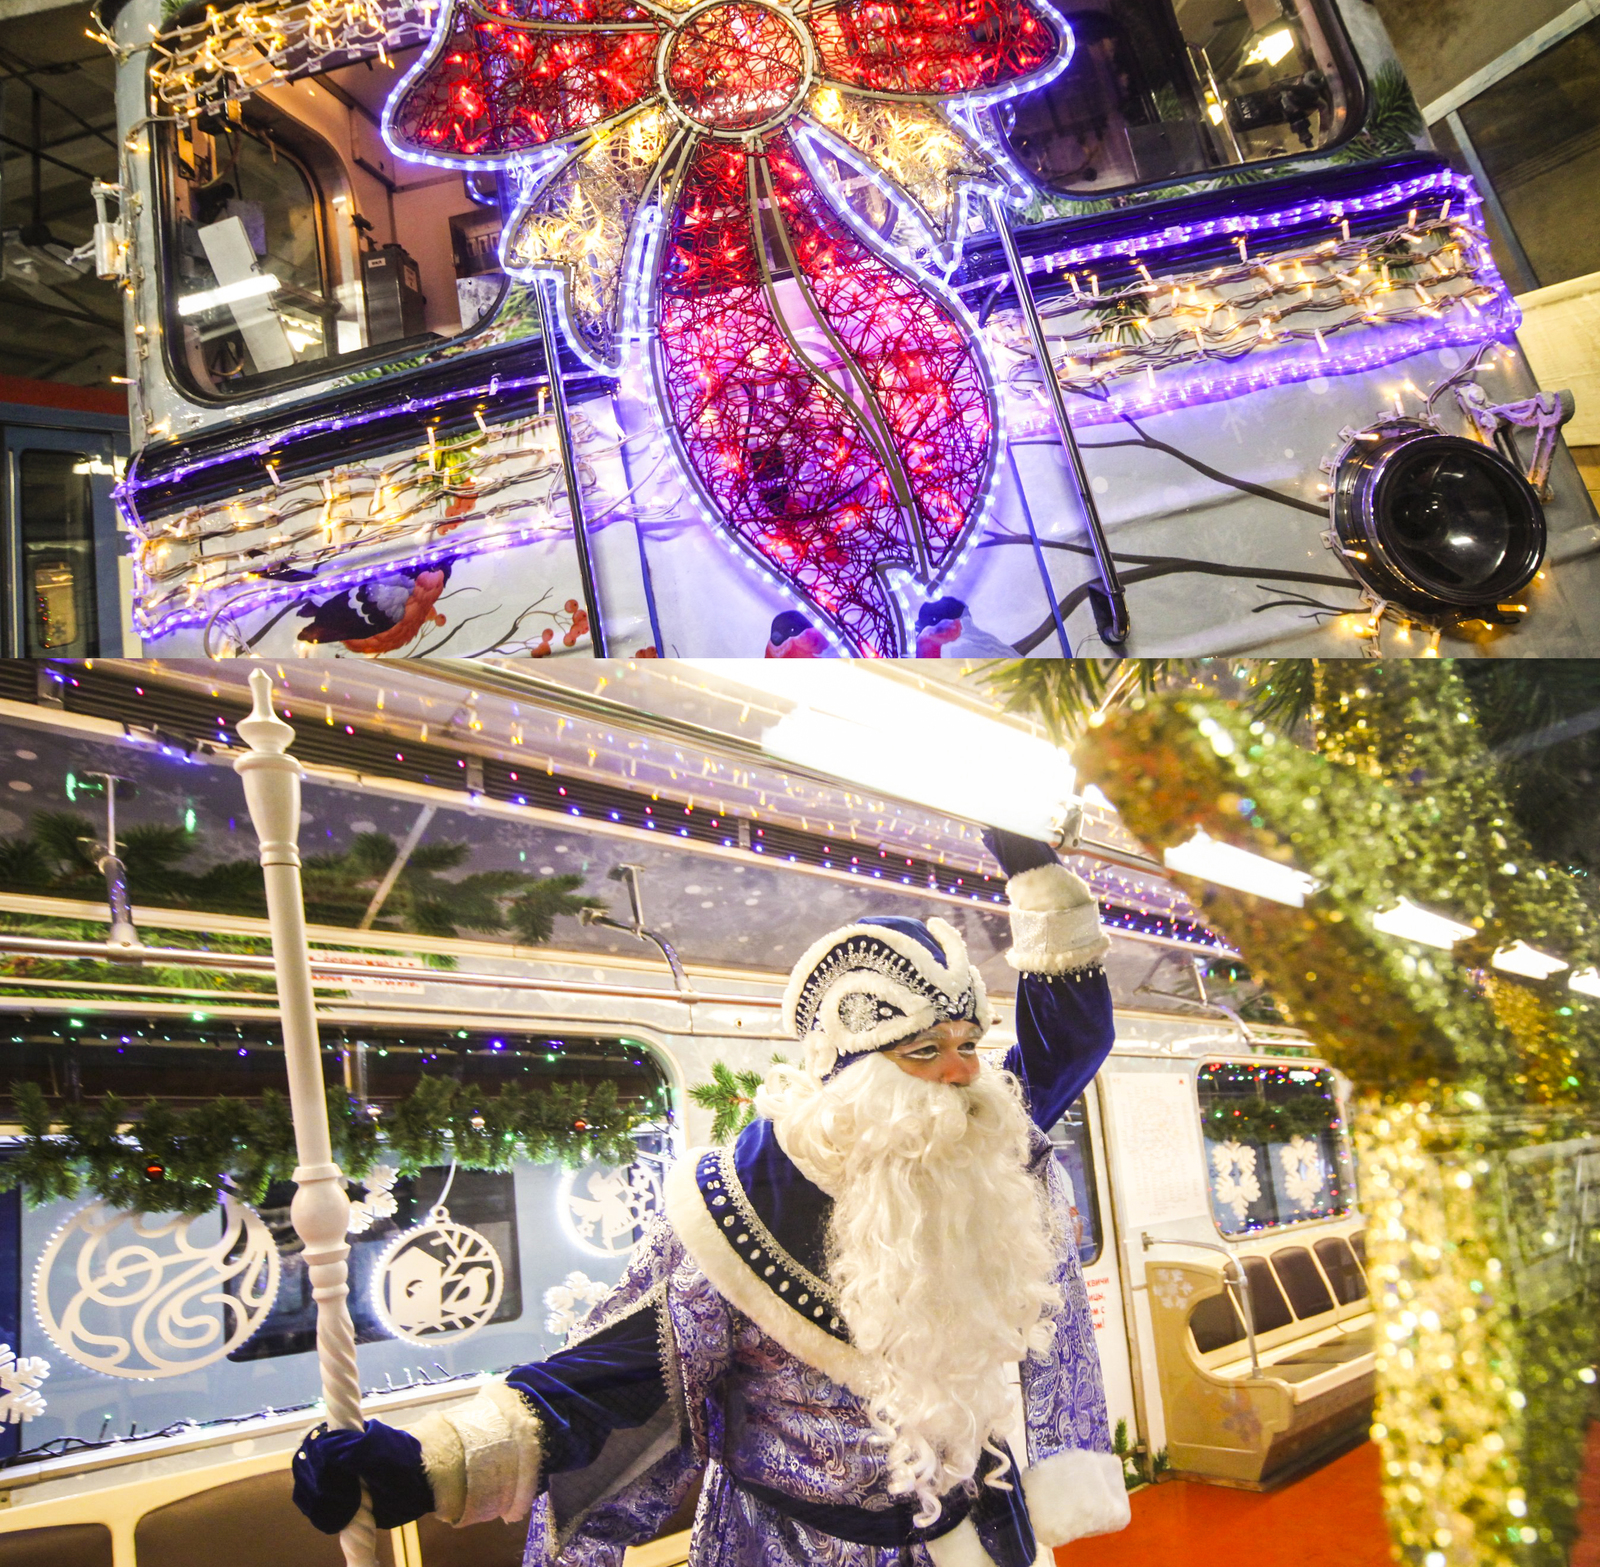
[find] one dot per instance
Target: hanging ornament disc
(155, 1294)
(439, 1281)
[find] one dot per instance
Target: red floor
(1333, 1518)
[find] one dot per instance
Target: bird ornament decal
(682, 170)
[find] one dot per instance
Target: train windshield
(1160, 89)
(1277, 1151)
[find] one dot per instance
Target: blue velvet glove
(330, 1466)
(1016, 853)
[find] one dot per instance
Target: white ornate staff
(321, 1207)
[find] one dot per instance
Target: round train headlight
(1435, 523)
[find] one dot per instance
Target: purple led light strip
(1335, 209)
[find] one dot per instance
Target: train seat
(1309, 1390)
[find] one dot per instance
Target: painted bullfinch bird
(382, 615)
(945, 629)
(793, 636)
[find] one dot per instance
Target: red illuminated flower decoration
(823, 392)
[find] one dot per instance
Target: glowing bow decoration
(823, 389)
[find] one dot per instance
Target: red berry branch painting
(683, 171)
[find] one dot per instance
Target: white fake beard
(939, 1247)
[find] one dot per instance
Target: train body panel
(1244, 273)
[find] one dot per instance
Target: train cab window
(1276, 1147)
(1358, 1244)
(1344, 1272)
(1267, 1304)
(1160, 89)
(298, 247)
(55, 533)
(1301, 1281)
(1075, 1159)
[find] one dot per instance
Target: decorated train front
(545, 327)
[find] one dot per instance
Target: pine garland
(174, 1161)
(1267, 1121)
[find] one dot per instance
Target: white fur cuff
(482, 1458)
(1075, 1494)
(1055, 922)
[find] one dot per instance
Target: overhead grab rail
(333, 968)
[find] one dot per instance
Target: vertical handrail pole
(1117, 632)
(569, 468)
(321, 1208)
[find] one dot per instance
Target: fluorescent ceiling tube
(1530, 962)
(1410, 923)
(1227, 866)
(1586, 980)
(245, 288)
(887, 737)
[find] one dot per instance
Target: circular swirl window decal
(150, 1295)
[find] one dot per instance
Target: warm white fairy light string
(233, 53)
(1174, 338)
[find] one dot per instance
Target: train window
(1267, 1304)
(1276, 1145)
(1344, 1273)
(1160, 89)
(1358, 1244)
(296, 246)
(1075, 1158)
(56, 537)
(1215, 1323)
(483, 1200)
(1301, 1282)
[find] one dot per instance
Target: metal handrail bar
(1233, 1278)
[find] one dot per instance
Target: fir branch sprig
(731, 1096)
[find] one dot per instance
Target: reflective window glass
(1537, 135)
(1276, 1147)
(1075, 1158)
(56, 528)
(1159, 89)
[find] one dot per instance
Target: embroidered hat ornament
(877, 983)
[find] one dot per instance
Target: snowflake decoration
(1173, 1290)
(683, 168)
(1235, 1180)
(570, 1301)
(380, 1201)
(1303, 1173)
(20, 1379)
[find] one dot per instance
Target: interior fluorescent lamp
(1586, 980)
(913, 745)
(1227, 866)
(1410, 923)
(1272, 48)
(1530, 962)
(245, 288)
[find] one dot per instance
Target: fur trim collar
(709, 1239)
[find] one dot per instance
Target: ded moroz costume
(739, 1349)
